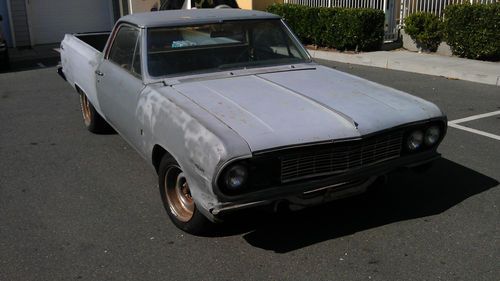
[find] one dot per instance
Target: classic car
(231, 111)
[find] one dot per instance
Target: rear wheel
(92, 119)
(177, 198)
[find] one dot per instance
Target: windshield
(234, 44)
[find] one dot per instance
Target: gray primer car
(230, 110)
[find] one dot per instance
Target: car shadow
(407, 195)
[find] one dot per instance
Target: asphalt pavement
(78, 206)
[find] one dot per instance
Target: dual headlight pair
(419, 137)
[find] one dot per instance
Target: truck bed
(95, 40)
(80, 57)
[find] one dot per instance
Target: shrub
(425, 29)
(340, 28)
(473, 31)
(298, 18)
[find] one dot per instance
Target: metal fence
(395, 10)
(375, 4)
(434, 6)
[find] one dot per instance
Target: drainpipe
(130, 6)
(188, 4)
(402, 8)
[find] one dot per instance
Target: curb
(449, 67)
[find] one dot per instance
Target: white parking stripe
(496, 137)
(454, 124)
(475, 117)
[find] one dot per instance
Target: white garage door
(51, 19)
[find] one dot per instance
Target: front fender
(198, 141)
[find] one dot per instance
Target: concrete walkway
(449, 67)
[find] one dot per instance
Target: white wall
(139, 6)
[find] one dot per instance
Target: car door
(119, 82)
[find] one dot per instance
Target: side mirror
(1, 18)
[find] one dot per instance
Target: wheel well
(158, 153)
(78, 90)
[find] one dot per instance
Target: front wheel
(177, 198)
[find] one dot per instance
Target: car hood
(294, 107)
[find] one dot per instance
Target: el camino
(230, 110)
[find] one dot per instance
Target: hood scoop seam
(339, 113)
(239, 107)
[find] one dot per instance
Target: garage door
(50, 19)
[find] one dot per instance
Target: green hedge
(425, 29)
(300, 18)
(339, 28)
(473, 31)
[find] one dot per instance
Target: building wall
(245, 4)
(256, 4)
(4, 12)
(20, 22)
(116, 10)
(21, 31)
(262, 4)
(140, 6)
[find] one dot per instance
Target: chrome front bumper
(313, 192)
(309, 198)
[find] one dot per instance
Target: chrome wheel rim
(178, 194)
(87, 113)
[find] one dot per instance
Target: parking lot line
(489, 135)
(475, 117)
(454, 124)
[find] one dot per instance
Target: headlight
(415, 140)
(235, 177)
(432, 135)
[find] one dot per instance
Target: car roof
(193, 17)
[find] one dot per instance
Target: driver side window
(125, 50)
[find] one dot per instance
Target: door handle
(99, 73)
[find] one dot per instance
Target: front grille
(340, 157)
